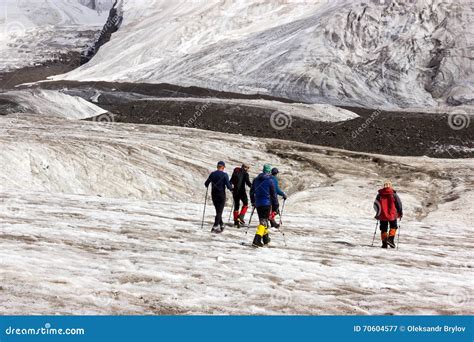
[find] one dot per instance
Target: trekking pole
(398, 238)
(250, 221)
(204, 210)
(281, 229)
(375, 232)
(231, 209)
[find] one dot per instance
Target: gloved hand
(284, 197)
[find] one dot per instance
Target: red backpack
(388, 210)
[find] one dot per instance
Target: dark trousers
(263, 214)
(218, 199)
(384, 225)
(273, 213)
(241, 196)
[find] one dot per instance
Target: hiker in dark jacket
(263, 197)
(240, 179)
(389, 208)
(220, 181)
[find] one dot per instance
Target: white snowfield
(106, 219)
(51, 103)
(371, 53)
(34, 31)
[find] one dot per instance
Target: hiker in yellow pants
(263, 197)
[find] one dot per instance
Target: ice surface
(102, 218)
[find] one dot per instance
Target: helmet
(267, 168)
(275, 171)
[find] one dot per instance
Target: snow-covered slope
(105, 218)
(372, 53)
(50, 103)
(37, 30)
(98, 5)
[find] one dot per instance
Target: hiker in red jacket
(389, 208)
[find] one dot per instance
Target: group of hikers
(264, 192)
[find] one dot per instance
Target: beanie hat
(221, 163)
(267, 168)
(275, 171)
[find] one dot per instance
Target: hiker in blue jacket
(220, 181)
(279, 192)
(263, 197)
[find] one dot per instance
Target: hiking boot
(237, 223)
(241, 219)
(391, 241)
(257, 241)
(391, 237)
(266, 239)
(215, 229)
(274, 224)
(384, 236)
(222, 229)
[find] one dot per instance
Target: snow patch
(52, 103)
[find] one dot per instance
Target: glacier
(384, 54)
